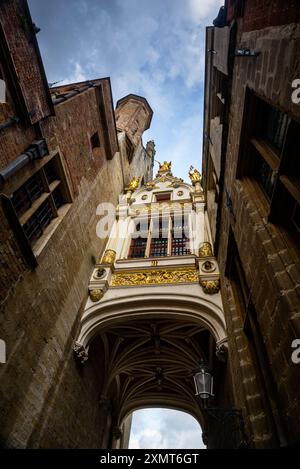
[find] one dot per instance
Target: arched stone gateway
(154, 303)
(150, 347)
(154, 309)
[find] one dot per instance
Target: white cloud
(201, 9)
(164, 429)
(76, 75)
(154, 49)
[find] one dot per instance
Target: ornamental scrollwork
(154, 277)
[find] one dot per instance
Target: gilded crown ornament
(165, 166)
(164, 169)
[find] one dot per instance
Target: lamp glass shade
(203, 384)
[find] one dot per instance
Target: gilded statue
(194, 175)
(134, 184)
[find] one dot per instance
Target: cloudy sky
(154, 48)
(164, 429)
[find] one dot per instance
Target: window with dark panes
(137, 247)
(24, 197)
(179, 236)
(159, 239)
(270, 156)
(38, 200)
(163, 197)
(168, 235)
(95, 140)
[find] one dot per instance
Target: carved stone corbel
(96, 294)
(210, 286)
(222, 350)
(80, 353)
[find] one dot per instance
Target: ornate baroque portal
(154, 308)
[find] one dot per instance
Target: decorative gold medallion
(208, 266)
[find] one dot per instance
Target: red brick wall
(77, 119)
(259, 14)
(230, 10)
(20, 39)
(13, 140)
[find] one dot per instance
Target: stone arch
(150, 341)
(179, 406)
(192, 308)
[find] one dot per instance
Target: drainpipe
(38, 149)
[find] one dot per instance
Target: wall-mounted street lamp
(225, 426)
(204, 381)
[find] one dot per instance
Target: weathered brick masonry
(46, 400)
(270, 264)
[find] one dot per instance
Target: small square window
(95, 140)
(163, 197)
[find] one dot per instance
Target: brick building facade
(251, 181)
(61, 155)
(64, 151)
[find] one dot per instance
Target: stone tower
(133, 116)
